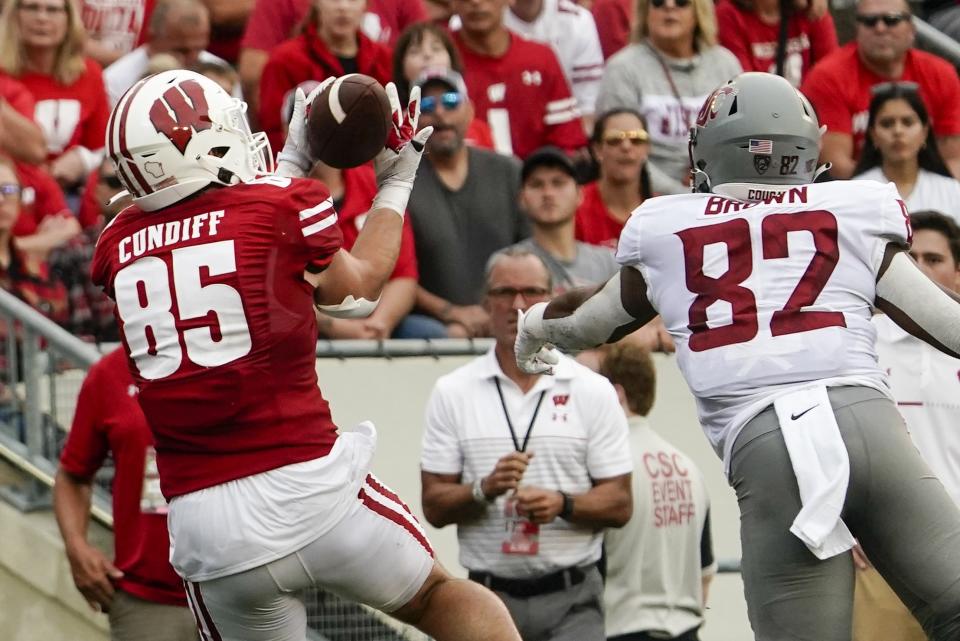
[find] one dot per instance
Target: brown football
(348, 121)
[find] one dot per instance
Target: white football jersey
(762, 296)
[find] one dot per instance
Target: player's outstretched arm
(916, 303)
(581, 319)
(351, 285)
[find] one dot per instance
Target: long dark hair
(596, 137)
(929, 157)
(413, 35)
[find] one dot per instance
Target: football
(349, 121)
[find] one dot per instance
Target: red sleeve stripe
(318, 209)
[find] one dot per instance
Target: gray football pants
(898, 510)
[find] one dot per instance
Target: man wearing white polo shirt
(530, 468)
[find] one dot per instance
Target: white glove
(295, 160)
(534, 354)
(396, 165)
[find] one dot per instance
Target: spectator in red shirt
(751, 28)
(24, 275)
(228, 21)
(274, 21)
(20, 137)
(45, 221)
(425, 46)
(516, 85)
(331, 44)
(139, 589)
(839, 87)
(42, 46)
(620, 146)
(614, 20)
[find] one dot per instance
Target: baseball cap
(547, 157)
(445, 75)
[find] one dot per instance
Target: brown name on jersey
(721, 205)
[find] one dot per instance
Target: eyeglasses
(49, 9)
(889, 19)
(679, 4)
(904, 86)
(10, 190)
(450, 101)
(111, 180)
(509, 293)
(636, 137)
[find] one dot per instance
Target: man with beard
(463, 208)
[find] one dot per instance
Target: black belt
(554, 582)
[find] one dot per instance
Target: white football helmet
(176, 132)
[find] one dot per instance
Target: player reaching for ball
(215, 269)
(767, 282)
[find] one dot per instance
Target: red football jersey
(754, 42)
(116, 24)
(360, 187)
(219, 326)
(839, 88)
(524, 97)
(18, 96)
(70, 115)
(594, 223)
(108, 420)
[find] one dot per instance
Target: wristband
(393, 197)
(567, 510)
(476, 490)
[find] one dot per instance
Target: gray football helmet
(755, 128)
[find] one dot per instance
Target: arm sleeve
(587, 65)
(562, 119)
(87, 446)
(440, 450)
(893, 225)
(608, 450)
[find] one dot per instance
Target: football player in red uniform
(216, 269)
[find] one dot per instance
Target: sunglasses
(10, 190)
(679, 4)
(891, 87)
(111, 181)
(450, 101)
(509, 293)
(889, 19)
(636, 137)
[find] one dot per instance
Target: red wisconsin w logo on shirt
(188, 117)
(561, 399)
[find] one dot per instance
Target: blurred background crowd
(554, 120)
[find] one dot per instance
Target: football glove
(534, 355)
(396, 165)
(295, 160)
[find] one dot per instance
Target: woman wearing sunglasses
(669, 70)
(900, 148)
(751, 29)
(619, 146)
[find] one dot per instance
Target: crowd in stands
(612, 86)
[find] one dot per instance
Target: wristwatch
(476, 490)
(567, 508)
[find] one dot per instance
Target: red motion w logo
(187, 118)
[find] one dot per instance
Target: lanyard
(506, 415)
(666, 72)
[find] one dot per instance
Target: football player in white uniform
(767, 282)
